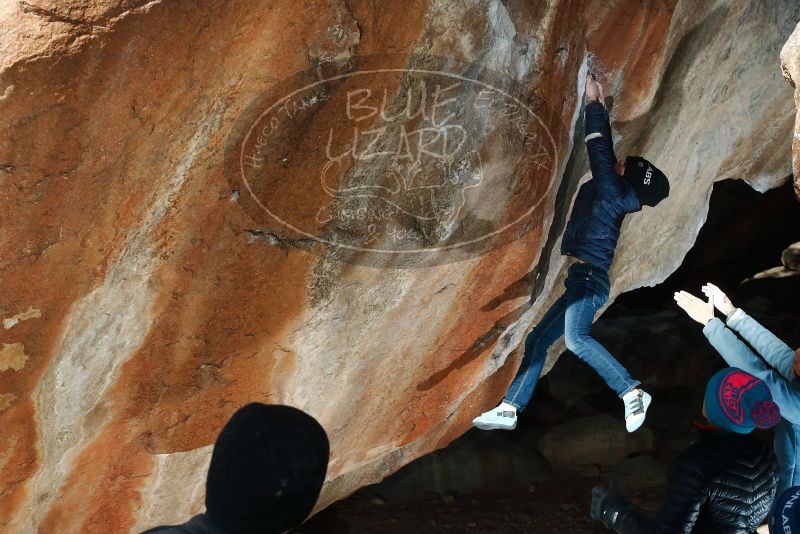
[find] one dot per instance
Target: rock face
(791, 257)
(486, 462)
(639, 472)
(790, 264)
(146, 297)
(592, 440)
(790, 63)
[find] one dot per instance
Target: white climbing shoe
(636, 404)
(504, 417)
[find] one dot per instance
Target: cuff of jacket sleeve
(596, 110)
(594, 135)
(711, 326)
(737, 315)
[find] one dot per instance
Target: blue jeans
(571, 316)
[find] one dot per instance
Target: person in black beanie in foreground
(266, 472)
(725, 482)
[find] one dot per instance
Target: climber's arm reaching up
(599, 143)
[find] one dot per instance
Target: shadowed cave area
(538, 478)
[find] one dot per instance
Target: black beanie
(651, 184)
(267, 470)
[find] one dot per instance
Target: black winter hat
(267, 470)
(651, 184)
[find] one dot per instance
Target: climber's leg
(550, 328)
(587, 291)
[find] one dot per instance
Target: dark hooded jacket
(722, 484)
(602, 203)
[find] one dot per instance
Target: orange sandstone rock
(164, 301)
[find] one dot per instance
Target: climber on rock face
(776, 364)
(589, 241)
(723, 482)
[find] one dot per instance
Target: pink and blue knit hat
(739, 402)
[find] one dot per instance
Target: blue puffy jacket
(602, 203)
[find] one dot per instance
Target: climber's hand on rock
(698, 309)
(720, 299)
(594, 91)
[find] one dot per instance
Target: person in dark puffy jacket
(725, 482)
(266, 473)
(589, 240)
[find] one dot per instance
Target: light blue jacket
(773, 365)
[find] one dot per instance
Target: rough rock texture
(790, 260)
(791, 257)
(639, 472)
(790, 63)
(592, 440)
(486, 462)
(142, 304)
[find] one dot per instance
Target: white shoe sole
(635, 422)
(492, 426)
